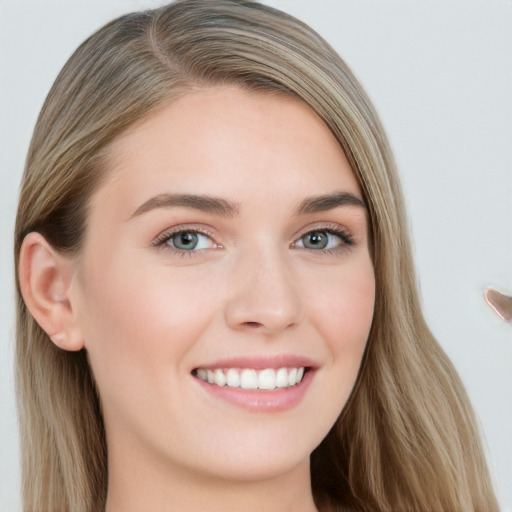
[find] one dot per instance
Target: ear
(46, 277)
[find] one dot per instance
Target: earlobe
(45, 278)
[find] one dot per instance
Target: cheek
(138, 318)
(344, 314)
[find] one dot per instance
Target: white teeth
(220, 378)
(233, 378)
(292, 376)
(267, 379)
(247, 378)
(300, 374)
(282, 378)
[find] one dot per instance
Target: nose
(263, 295)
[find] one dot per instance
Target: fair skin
(259, 275)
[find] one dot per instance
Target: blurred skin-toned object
(501, 303)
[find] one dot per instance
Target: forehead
(228, 141)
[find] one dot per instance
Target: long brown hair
(407, 439)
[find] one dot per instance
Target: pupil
(185, 240)
(316, 240)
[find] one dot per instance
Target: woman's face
(229, 242)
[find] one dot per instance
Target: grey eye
(316, 240)
(190, 241)
(187, 241)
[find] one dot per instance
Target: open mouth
(249, 378)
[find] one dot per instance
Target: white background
(440, 74)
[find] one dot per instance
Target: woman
(216, 292)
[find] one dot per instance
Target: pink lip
(279, 399)
(255, 400)
(262, 362)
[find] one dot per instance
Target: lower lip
(279, 399)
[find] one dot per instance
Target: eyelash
(346, 240)
(161, 240)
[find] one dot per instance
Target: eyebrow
(206, 204)
(329, 202)
(226, 208)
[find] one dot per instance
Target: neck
(134, 487)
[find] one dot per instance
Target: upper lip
(262, 362)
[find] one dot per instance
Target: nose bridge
(263, 296)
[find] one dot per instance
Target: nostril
(252, 325)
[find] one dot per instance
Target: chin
(258, 454)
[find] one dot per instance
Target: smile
(248, 378)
